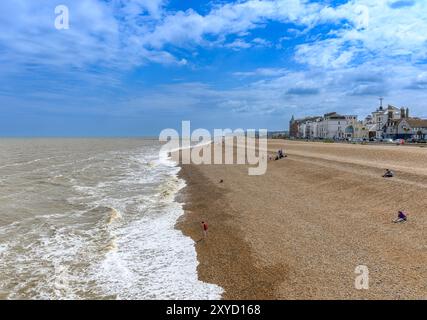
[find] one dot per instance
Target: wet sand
(300, 230)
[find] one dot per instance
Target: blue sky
(135, 67)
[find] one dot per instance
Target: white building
(308, 127)
(336, 126)
(407, 128)
(380, 118)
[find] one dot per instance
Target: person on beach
(205, 229)
(401, 217)
(279, 154)
(388, 174)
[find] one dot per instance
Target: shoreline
(299, 231)
(229, 262)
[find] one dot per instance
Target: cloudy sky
(135, 67)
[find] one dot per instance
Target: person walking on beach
(205, 229)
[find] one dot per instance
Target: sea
(93, 219)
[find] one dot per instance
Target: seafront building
(395, 123)
(380, 118)
(407, 128)
(309, 127)
(336, 126)
(385, 122)
(329, 126)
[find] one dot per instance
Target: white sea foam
(3, 248)
(153, 260)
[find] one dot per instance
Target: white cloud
(238, 44)
(375, 29)
(190, 27)
(325, 54)
(261, 42)
(262, 72)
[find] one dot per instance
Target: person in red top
(205, 229)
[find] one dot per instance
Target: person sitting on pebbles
(401, 217)
(280, 154)
(388, 174)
